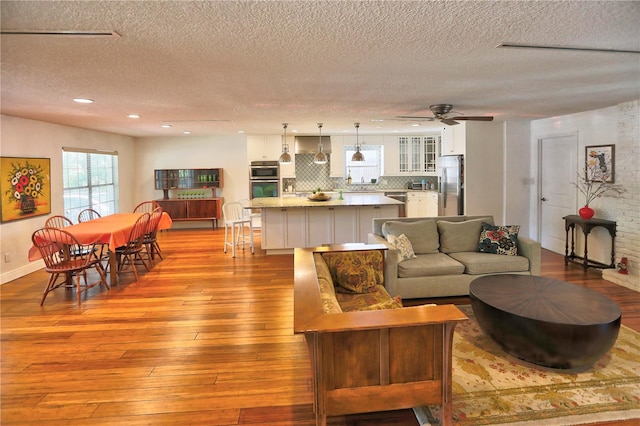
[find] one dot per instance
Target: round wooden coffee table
(545, 321)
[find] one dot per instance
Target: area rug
(491, 387)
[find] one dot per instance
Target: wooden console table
(587, 225)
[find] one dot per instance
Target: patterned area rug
(491, 387)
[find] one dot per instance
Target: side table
(587, 225)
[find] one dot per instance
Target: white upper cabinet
(413, 155)
(264, 147)
(336, 158)
(454, 140)
(269, 148)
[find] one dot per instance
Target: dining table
(112, 231)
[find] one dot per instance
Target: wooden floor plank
(202, 338)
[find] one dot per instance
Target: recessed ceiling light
(377, 120)
(83, 100)
(133, 116)
(166, 126)
(186, 132)
(415, 125)
(240, 131)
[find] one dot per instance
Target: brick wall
(627, 170)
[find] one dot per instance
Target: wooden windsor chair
(63, 255)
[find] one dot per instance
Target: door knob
(543, 199)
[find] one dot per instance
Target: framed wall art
(25, 187)
(600, 163)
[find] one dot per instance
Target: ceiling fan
(440, 112)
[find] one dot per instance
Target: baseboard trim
(21, 271)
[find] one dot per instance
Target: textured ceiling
(217, 67)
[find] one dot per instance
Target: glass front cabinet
(166, 179)
(418, 154)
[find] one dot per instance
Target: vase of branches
(594, 184)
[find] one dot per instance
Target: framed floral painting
(25, 187)
(600, 163)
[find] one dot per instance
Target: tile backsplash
(310, 176)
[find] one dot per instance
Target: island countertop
(348, 201)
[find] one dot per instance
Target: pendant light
(285, 157)
(320, 157)
(357, 156)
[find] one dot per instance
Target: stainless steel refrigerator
(451, 185)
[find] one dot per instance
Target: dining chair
(234, 218)
(127, 254)
(150, 239)
(58, 221)
(87, 215)
(56, 247)
(145, 207)
(255, 217)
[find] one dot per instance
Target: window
(370, 168)
(90, 180)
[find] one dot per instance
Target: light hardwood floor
(201, 339)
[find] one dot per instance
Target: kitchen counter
(290, 222)
(350, 200)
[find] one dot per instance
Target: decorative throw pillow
(499, 239)
(356, 271)
(394, 303)
(460, 236)
(403, 245)
(423, 234)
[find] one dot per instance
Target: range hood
(309, 144)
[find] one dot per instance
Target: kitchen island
(299, 222)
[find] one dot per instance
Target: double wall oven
(264, 179)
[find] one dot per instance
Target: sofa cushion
(499, 239)
(461, 236)
(356, 271)
(427, 265)
(476, 263)
(423, 234)
(403, 245)
(357, 302)
(393, 303)
(330, 304)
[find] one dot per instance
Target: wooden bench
(368, 361)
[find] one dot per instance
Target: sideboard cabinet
(196, 209)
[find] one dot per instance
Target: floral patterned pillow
(499, 239)
(403, 245)
(356, 271)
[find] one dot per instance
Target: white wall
(599, 127)
(178, 152)
(518, 183)
(484, 170)
(30, 138)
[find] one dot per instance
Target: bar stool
(234, 218)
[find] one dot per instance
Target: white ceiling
(218, 67)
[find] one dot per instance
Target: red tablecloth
(113, 230)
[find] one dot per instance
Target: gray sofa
(447, 257)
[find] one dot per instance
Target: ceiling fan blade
(409, 117)
(449, 121)
(476, 118)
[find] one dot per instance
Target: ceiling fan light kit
(440, 112)
(320, 157)
(357, 156)
(285, 157)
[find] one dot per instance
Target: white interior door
(558, 162)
